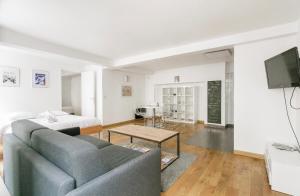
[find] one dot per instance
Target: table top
(147, 133)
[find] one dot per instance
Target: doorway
(71, 92)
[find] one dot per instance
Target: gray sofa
(42, 162)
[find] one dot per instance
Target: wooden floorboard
(213, 172)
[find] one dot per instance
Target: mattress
(63, 122)
(68, 121)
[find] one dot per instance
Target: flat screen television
(283, 70)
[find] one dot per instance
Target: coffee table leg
(153, 120)
(159, 146)
(108, 136)
(178, 145)
(131, 139)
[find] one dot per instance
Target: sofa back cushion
(24, 128)
(78, 158)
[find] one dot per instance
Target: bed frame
(91, 130)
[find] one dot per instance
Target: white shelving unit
(180, 103)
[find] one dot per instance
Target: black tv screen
(283, 69)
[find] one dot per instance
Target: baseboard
(219, 126)
(200, 122)
(215, 126)
(249, 154)
(118, 124)
(1, 151)
(91, 130)
(229, 126)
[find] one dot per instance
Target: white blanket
(63, 122)
(68, 121)
(5, 127)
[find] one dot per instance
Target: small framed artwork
(126, 91)
(40, 79)
(9, 76)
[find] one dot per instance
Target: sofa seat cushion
(117, 155)
(92, 140)
(78, 158)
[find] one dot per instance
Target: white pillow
(59, 113)
(49, 116)
(5, 127)
(20, 116)
(43, 114)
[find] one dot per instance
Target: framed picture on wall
(126, 91)
(40, 79)
(9, 76)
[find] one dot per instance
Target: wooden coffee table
(150, 134)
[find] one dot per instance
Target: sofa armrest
(138, 177)
(71, 131)
(28, 173)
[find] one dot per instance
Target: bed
(62, 120)
(87, 125)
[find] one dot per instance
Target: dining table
(153, 108)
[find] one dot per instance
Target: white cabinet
(180, 103)
(283, 168)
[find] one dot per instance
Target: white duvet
(63, 122)
(68, 121)
(5, 127)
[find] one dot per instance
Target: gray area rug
(174, 171)
(213, 138)
(171, 173)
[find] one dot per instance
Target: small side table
(283, 169)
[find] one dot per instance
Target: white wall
(117, 108)
(26, 98)
(229, 91)
(99, 89)
(193, 75)
(99, 94)
(259, 112)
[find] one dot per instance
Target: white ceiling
(117, 28)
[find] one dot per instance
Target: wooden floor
(213, 172)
